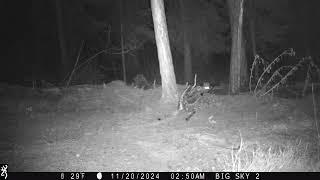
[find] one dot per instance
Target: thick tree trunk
(238, 64)
(168, 79)
(62, 45)
(186, 44)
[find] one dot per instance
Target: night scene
(160, 85)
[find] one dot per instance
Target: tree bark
(238, 65)
(123, 60)
(187, 60)
(168, 79)
(186, 44)
(252, 32)
(62, 44)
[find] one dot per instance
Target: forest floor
(115, 127)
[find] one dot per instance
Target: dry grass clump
(291, 157)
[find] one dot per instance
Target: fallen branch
(127, 99)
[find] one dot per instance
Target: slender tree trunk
(253, 38)
(187, 60)
(186, 43)
(168, 79)
(253, 34)
(244, 77)
(254, 47)
(123, 61)
(62, 44)
(238, 64)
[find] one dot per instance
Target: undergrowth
(291, 157)
(275, 74)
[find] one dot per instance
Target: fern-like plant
(272, 77)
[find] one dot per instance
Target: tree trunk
(62, 44)
(238, 64)
(244, 77)
(168, 79)
(187, 60)
(123, 60)
(252, 32)
(186, 44)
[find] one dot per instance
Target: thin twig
(127, 99)
(98, 53)
(195, 81)
(75, 65)
(180, 105)
(92, 57)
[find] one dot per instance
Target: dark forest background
(30, 47)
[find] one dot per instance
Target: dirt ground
(115, 127)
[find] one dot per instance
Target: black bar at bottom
(52, 175)
(162, 175)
